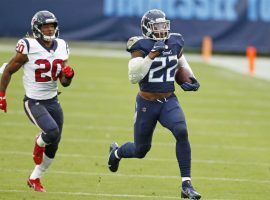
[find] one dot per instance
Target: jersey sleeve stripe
(55, 45)
(27, 44)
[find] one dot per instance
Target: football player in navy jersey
(43, 58)
(154, 60)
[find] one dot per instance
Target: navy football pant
(170, 115)
(48, 116)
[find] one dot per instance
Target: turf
(228, 121)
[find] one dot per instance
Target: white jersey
(43, 67)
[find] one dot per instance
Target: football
(182, 75)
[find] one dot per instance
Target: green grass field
(228, 121)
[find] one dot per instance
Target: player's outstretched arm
(67, 73)
(14, 65)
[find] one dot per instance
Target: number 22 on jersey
(161, 62)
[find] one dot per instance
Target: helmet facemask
(46, 37)
(160, 30)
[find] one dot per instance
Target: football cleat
(38, 153)
(35, 184)
(113, 162)
(188, 192)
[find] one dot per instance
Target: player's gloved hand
(3, 102)
(68, 72)
(159, 46)
(194, 86)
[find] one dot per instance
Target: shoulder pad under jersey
(22, 46)
(132, 41)
(178, 38)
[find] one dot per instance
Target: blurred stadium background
(228, 118)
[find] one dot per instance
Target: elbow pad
(137, 68)
(183, 63)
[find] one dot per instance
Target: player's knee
(180, 132)
(52, 135)
(142, 150)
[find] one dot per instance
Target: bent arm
(138, 66)
(183, 63)
(195, 85)
(14, 65)
(65, 82)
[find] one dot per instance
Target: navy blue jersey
(160, 77)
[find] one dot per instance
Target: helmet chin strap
(48, 38)
(158, 38)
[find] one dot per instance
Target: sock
(186, 179)
(40, 141)
(40, 169)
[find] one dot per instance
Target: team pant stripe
(26, 105)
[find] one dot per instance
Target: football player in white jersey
(43, 58)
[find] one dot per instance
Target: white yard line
(103, 195)
(205, 121)
(239, 64)
(121, 116)
(116, 128)
(143, 176)
(95, 194)
(82, 51)
(201, 161)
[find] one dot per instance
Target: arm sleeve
(183, 63)
(138, 68)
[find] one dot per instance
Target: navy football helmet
(154, 25)
(41, 18)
